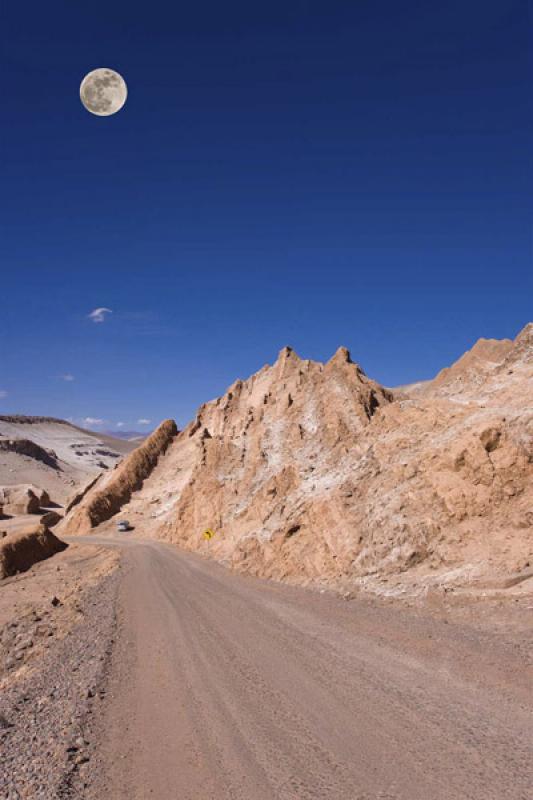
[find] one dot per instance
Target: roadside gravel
(45, 712)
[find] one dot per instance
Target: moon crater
(103, 92)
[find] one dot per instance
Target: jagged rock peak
(235, 389)
(526, 335)
(521, 350)
(287, 352)
(341, 356)
(287, 359)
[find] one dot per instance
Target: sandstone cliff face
(116, 488)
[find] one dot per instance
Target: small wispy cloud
(99, 314)
(143, 421)
(120, 424)
(3, 393)
(67, 377)
(93, 421)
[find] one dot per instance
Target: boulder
(19, 551)
(23, 499)
(51, 518)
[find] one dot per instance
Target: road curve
(225, 687)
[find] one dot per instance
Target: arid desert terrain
(326, 591)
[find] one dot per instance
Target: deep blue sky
(304, 173)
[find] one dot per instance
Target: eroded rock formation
(23, 499)
(20, 550)
(314, 472)
(26, 447)
(116, 489)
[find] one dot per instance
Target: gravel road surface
(223, 686)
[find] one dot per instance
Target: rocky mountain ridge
(311, 472)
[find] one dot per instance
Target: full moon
(103, 92)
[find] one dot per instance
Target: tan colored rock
(113, 491)
(78, 496)
(484, 355)
(51, 518)
(19, 551)
(314, 472)
(23, 499)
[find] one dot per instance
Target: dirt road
(229, 687)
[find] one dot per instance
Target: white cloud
(93, 421)
(143, 421)
(120, 424)
(67, 377)
(3, 393)
(99, 314)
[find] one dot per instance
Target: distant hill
(54, 455)
(128, 436)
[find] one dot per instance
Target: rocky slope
(114, 491)
(313, 472)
